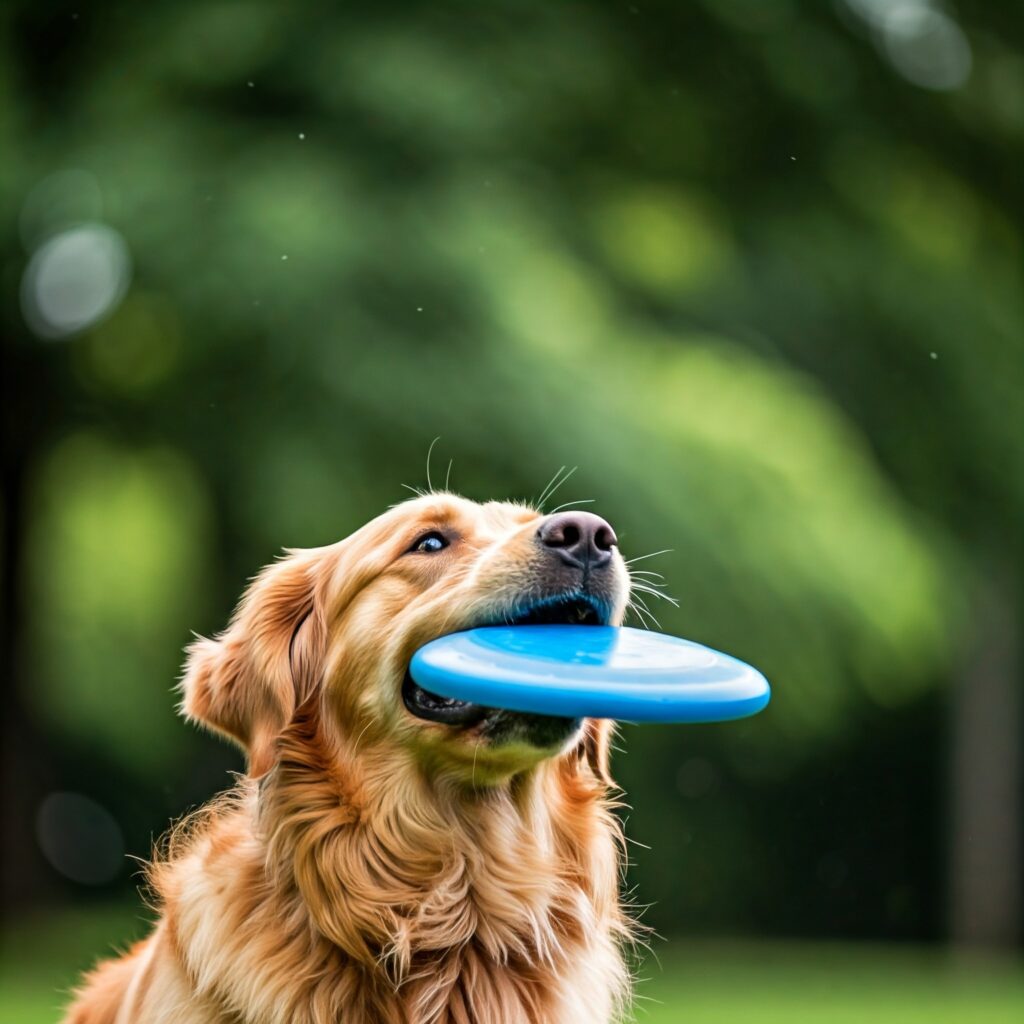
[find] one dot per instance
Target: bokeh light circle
(74, 279)
(80, 838)
(927, 47)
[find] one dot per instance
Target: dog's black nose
(580, 539)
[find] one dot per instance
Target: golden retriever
(391, 856)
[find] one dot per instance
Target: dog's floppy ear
(247, 682)
(597, 748)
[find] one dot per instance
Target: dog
(391, 856)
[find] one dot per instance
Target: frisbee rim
(451, 666)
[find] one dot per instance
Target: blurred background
(754, 268)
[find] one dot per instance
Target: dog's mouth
(566, 610)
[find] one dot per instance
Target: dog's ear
(597, 748)
(247, 682)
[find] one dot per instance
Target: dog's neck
(397, 868)
(402, 904)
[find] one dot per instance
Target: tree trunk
(987, 857)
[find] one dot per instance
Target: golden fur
(372, 867)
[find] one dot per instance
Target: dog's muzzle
(498, 724)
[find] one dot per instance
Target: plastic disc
(590, 672)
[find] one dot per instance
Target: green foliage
(116, 557)
(761, 289)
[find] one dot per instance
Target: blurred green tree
(760, 287)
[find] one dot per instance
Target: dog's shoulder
(100, 996)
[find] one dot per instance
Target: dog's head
(335, 628)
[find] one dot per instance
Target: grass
(41, 958)
(791, 983)
(694, 983)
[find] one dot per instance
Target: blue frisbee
(590, 672)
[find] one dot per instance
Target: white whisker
(544, 493)
(640, 558)
(569, 504)
(643, 581)
(556, 483)
(639, 601)
(644, 589)
(637, 606)
(362, 732)
(430, 450)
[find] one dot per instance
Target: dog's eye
(430, 543)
